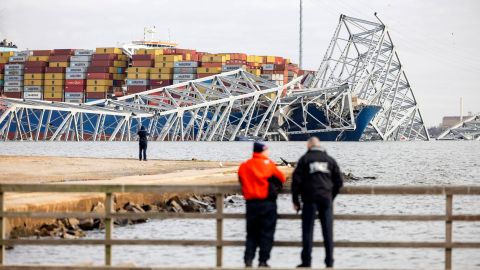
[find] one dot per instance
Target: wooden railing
(448, 244)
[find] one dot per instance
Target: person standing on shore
(142, 143)
(317, 179)
(261, 181)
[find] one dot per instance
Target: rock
(49, 227)
(122, 221)
(70, 223)
(135, 208)
(72, 234)
(149, 208)
(176, 207)
(98, 208)
(87, 224)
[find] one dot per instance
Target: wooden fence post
(219, 206)
(448, 231)
(108, 228)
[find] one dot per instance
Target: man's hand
(297, 207)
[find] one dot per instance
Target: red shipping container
(142, 63)
(34, 70)
(217, 64)
(35, 64)
(98, 69)
(203, 75)
(41, 52)
(13, 94)
(160, 83)
(54, 70)
(96, 95)
(104, 56)
(74, 88)
(63, 51)
(101, 76)
(75, 82)
(138, 88)
(59, 58)
(101, 63)
(142, 57)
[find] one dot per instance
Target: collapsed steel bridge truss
(362, 55)
(469, 129)
(361, 62)
(217, 108)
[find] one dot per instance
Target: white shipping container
(268, 67)
(75, 95)
(266, 76)
(13, 78)
(83, 52)
(17, 58)
(76, 69)
(184, 70)
(73, 100)
(32, 95)
(185, 64)
(75, 76)
(33, 88)
(23, 53)
(80, 58)
(13, 66)
(231, 67)
(12, 89)
(179, 81)
(79, 64)
(184, 76)
(14, 83)
(14, 72)
(137, 82)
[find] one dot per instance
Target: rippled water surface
(392, 163)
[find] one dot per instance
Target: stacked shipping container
(76, 76)
(34, 74)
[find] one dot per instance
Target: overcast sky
(437, 40)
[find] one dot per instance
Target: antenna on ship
(300, 36)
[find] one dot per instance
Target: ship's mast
(300, 49)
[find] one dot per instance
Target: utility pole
(300, 49)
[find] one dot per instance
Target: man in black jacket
(317, 179)
(142, 140)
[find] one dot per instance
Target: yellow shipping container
(141, 51)
(98, 88)
(53, 94)
(32, 82)
(168, 58)
(6, 54)
(34, 76)
(255, 72)
(143, 76)
(3, 60)
(214, 58)
(154, 51)
(38, 58)
(54, 82)
(227, 55)
(100, 82)
(109, 50)
(119, 76)
(1, 76)
(54, 76)
(209, 70)
(51, 89)
(164, 64)
(138, 69)
(269, 59)
(187, 57)
(259, 59)
(163, 70)
(160, 76)
(58, 64)
(123, 57)
(119, 63)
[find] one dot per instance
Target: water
(393, 163)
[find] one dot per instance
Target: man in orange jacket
(261, 181)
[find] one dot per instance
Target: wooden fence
(447, 191)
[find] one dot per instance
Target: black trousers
(323, 208)
(142, 150)
(261, 222)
